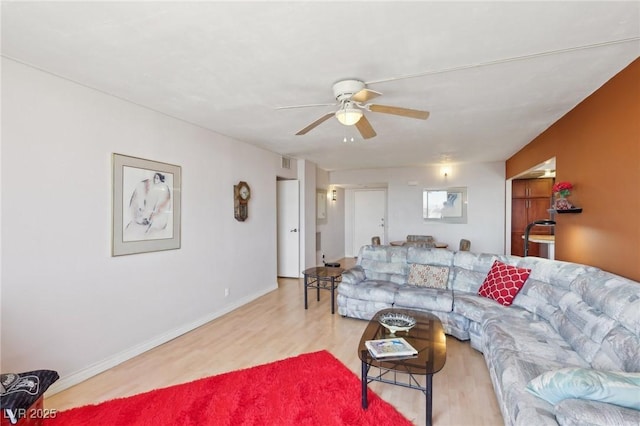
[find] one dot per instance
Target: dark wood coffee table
(427, 337)
(322, 277)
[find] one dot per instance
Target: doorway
(528, 197)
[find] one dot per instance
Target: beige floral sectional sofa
(565, 351)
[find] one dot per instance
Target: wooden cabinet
(532, 188)
(531, 200)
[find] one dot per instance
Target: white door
(369, 212)
(288, 228)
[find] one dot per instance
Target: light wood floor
(277, 326)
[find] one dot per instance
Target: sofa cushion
(470, 269)
(465, 280)
(353, 275)
(584, 383)
(581, 326)
(373, 290)
(600, 318)
(430, 257)
(556, 272)
(533, 340)
(424, 298)
(358, 308)
(479, 262)
(428, 275)
(517, 350)
(580, 412)
(503, 282)
(616, 296)
(539, 297)
(510, 372)
(620, 350)
(384, 263)
(477, 308)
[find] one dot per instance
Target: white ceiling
(494, 75)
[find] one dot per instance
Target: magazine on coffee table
(393, 347)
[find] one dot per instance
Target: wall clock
(241, 196)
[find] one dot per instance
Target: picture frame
(146, 205)
(447, 205)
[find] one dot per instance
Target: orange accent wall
(597, 149)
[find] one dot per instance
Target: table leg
(429, 398)
(305, 290)
(363, 375)
(333, 290)
(318, 281)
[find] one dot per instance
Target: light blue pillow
(617, 388)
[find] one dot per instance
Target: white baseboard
(86, 373)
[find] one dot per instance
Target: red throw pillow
(503, 282)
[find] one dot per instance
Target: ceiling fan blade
(365, 129)
(305, 106)
(405, 112)
(316, 123)
(365, 95)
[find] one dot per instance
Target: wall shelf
(573, 210)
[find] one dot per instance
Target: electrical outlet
(226, 292)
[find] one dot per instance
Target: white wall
(485, 193)
(69, 306)
(331, 229)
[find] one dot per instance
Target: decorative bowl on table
(395, 321)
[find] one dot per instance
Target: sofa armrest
(353, 275)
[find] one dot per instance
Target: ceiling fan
(352, 96)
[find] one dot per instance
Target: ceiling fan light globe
(348, 116)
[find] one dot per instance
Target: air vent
(286, 162)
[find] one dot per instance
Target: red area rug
(309, 389)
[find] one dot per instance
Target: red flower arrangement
(562, 188)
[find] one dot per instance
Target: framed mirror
(448, 205)
(321, 204)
